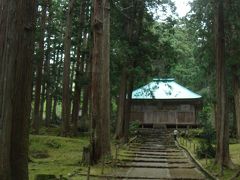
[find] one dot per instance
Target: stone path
(155, 156)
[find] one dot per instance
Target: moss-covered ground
(52, 154)
(55, 155)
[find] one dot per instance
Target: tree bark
(7, 33)
(79, 70)
(85, 120)
(36, 111)
(47, 70)
(236, 93)
(121, 107)
(222, 128)
(56, 71)
(16, 53)
(48, 109)
(77, 94)
(66, 103)
(72, 73)
(42, 100)
(95, 84)
(127, 112)
(105, 81)
(86, 98)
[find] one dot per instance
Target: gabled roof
(164, 89)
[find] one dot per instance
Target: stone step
(158, 144)
(165, 142)
(186, 173)
(156, 138)
(120, 176)
(149, 144)
(162, 142)
(154, 165)
(149, 130)
(154, 145)
(153, 150)
(160, 147)
(163, 152)
(170, 153)
(152, 156)
(150, 160)
(160, 174)
(157, 135)
(179, 153)
(157, 141)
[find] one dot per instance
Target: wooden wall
(160, 113)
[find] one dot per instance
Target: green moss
(64, 155)
(235, 153)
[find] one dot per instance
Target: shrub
(196, 133)
(204, 149)
(133, 127)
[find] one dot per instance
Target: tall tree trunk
(236, 93)
(66, 77)
(72, 73)
(36, 113)
(77, 94)
(105, 80)
(127, 112)
(85, 120)
(121, 106)
(16, 53)
(7, 29)
(86, 97)
(56, 76)
(79, 70)
(222, 151)
(54, 110)
(96, 94)
(48, 109)
(47, 70)
(42, 101)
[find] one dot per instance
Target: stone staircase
(154, 155)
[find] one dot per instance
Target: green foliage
(204, 150)
(149, 50)
(206, 138)
(196, 133)
(206, 116)
(133, 127)
(233, 141)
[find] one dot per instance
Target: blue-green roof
(164, 89)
